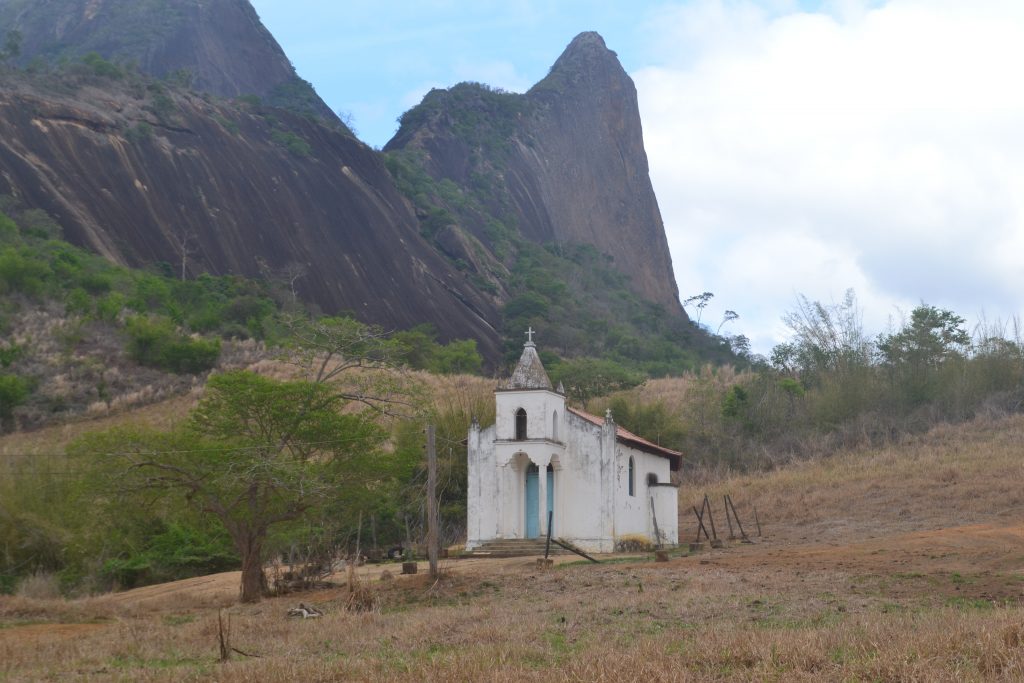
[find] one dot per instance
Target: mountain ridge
(487, 212)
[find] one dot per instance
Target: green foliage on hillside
(832, 385)
(583, 306)
(571, 293)
(420, 350)
(484, 117)
(299, 96)
(164, 322)
(157, 342)
(35, 267)
(291, 142)
(134, 26)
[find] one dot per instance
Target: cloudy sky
(795, 147)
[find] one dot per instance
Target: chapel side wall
(633, 513)
(483, 489)
(666, 501)
(578, 488)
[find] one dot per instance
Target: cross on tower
(529, 334)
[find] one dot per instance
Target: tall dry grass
(951, 475)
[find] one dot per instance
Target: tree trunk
(254, 581)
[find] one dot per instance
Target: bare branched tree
(700, 301)
(185, 240)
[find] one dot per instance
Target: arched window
(521, 425)
(632, 476)
(554, 426)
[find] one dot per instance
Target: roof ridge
(621, 432)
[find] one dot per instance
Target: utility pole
(432, 535)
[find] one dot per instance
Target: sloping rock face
(221, 43)
(234, 186)
(566, 160)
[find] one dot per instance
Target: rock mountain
(143, 170)
(570, 164)
(221, 44)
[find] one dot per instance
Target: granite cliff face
(234, 185)
(444, 227)
(565, 161)
(220, 44)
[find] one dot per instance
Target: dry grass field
(897, 564)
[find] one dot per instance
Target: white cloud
(874, 147)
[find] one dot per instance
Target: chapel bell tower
(528, 409)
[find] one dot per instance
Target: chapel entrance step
(515, 547)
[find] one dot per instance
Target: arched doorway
(532, 502)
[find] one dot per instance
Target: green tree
(12, 46)
(914, 355)
(456, 357)
(13, 392)
(256, 453)
(585, 378)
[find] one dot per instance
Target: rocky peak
(221, 43)
(586, 61)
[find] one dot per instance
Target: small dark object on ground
(305, 612)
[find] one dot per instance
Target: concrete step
(515, 547)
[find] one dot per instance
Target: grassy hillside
(82, 336)
(866, 571)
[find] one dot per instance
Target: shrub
(457, 357)
(139, 132)
(21, 271)
(155, 342)
(292, 142)
(10, 353)
(110, 306)
(14, 391)
(78, 302)
(185, 355)
(101, 67)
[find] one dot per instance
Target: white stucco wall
(482, 491)
(634, 516)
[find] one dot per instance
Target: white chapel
(602, 484)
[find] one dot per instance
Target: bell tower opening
(521, 425)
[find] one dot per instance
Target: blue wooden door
(532, 499)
